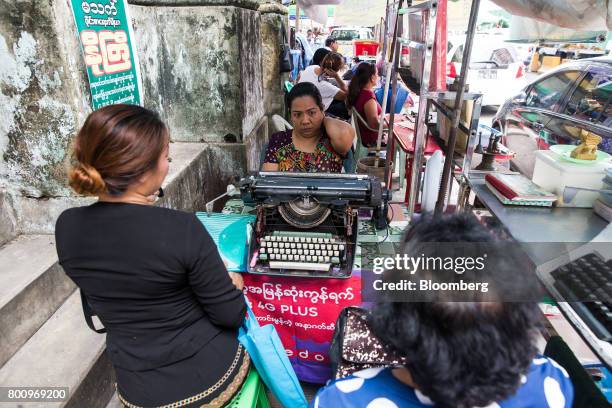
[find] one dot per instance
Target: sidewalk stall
(550, 211)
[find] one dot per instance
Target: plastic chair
(252, 394)
(288, 86)
(360, 149)
(279, 124)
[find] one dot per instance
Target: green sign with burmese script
(105, 34)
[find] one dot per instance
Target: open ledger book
(516, 189)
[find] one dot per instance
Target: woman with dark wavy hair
(361, 97)
(478, 353)
(152, 275)
(316, 143)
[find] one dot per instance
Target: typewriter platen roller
(307, 223)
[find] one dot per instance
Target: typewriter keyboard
(586, 283)
(311, 251)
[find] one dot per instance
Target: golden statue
(587, 150)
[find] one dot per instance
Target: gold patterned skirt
(212, 395)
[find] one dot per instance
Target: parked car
(555, 108)
(495, 68)
(345, 36)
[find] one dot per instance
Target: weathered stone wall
(250, 62)
(199, 67)
(43, 95)
(273, 24)
(273, 16)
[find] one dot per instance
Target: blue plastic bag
(270, 359)
(402, 95)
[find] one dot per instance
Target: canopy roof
(558, 20)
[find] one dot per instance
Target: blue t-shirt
(547, 385)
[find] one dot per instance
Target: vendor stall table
(304, 310)
(551, 238)
(560, 228)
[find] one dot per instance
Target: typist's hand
(235, 277)
(237, 280)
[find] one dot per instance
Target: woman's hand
(336, 76)
(237, 280)
(330, 73)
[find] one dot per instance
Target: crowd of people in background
(345, 83)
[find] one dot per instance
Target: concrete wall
(205, 177)
(198, 173)
(43, 95)
(199, 67)
(273, 23)
(202, 69)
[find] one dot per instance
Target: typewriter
(306, 223)
(580, 281)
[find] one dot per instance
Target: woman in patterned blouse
(316, 143)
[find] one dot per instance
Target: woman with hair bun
(152, 275)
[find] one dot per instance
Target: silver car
(555, 109)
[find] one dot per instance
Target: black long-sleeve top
(153, 276)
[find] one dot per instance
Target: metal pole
(386, 32)
(388, 71)
(452, 139)
(297, 17)
(391, 155)
(381, 121)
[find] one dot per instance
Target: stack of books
(516, 189)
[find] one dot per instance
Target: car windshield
(345, 35)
